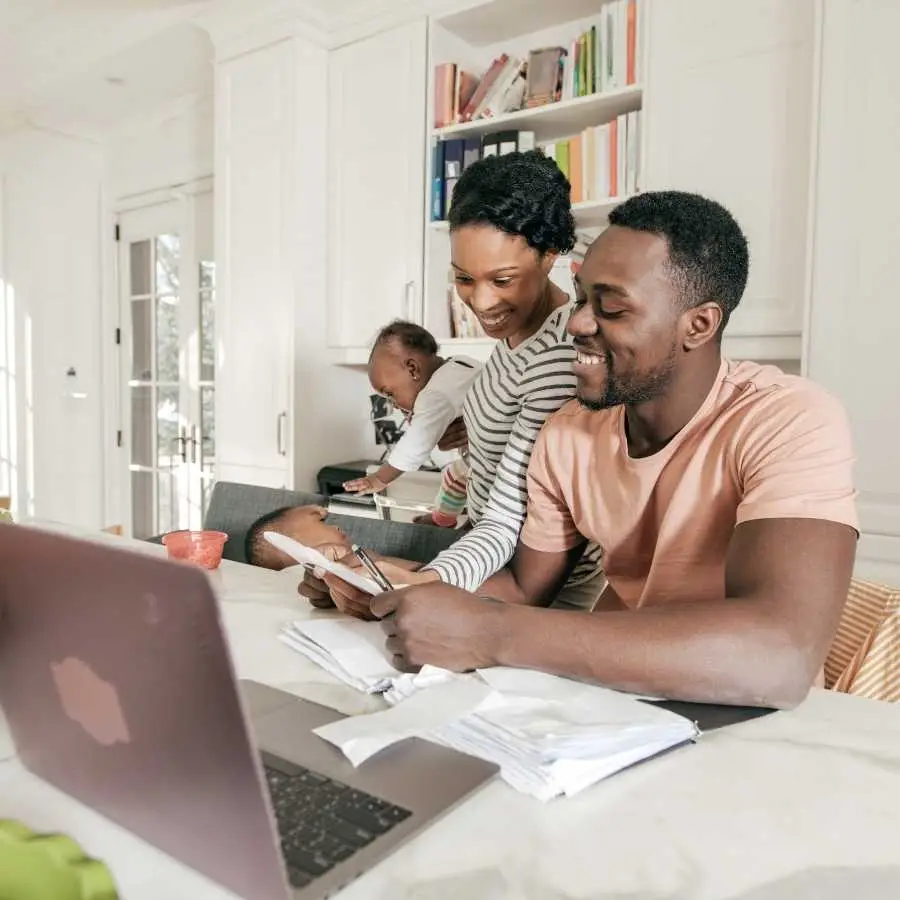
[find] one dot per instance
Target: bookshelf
(472, 39)
(565, 117)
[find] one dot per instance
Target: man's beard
(634, 389)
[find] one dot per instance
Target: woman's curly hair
(523, 194)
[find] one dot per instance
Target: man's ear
(414, 368)
(701, 324)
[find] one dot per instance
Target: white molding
(878, 559)
(160, 114)
(812, 205)
(239, 27)
(156, 196)
(879, 513)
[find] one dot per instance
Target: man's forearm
(722, 651)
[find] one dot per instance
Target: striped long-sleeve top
(504, 410)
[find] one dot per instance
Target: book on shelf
(451, 157)
(602, 161)
(604, 57)
(453, 88)
(463, 322)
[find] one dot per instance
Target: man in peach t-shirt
(721, 492)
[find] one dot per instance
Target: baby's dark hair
(409, 335)
(523, 194)
(255, 545)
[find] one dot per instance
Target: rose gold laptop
(118, 687)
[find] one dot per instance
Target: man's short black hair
(409, 335)
(523, 194)
(708, 252)
(255, 542)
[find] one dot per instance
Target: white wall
(855, 318)
(173, 147)
(53, 216)
(331, 405)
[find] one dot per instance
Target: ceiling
(88, 66)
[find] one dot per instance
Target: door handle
(409, 301)
(181, 445)
(281, 422)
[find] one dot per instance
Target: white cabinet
(254, 122)
(727, 114)
(376, 211)
(854, 329)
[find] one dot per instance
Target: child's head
(403, 359)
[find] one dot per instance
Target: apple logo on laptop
(91, 702)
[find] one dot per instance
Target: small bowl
(203, 548)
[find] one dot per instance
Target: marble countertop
(800, 805)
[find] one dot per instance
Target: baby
(405, 367)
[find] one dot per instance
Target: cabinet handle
(409, 301)
(281, 422)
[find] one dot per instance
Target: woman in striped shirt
(510, 218)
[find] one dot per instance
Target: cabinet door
(254, 366)
(728, 116)
(854, 316)
(377, 90)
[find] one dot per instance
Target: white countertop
(802, 805)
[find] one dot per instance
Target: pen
(371, 568)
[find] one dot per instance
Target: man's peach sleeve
(797, 461)
(549, 526)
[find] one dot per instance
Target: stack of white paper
(549, 735)
(349, 649)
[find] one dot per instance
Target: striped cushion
(865, 656)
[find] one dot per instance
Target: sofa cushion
(419, 543)
(234, 507)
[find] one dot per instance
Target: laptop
(118, 688)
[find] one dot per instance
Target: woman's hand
(371, 484)
(455, 437)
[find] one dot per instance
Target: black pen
(371, 568)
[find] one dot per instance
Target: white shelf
(561, 119)
(502, 20)
(477, 348)
(588, 213)
(759, 347)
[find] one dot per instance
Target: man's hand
(354, 602)
(313, 586)
(455, 437)
(439, 625)
(371, 484)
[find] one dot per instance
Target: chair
(864, 658)
(234, 507)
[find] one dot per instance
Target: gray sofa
(233, 508)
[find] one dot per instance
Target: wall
(854, 318)
(330, 402)
(53, 214)
(173, 147)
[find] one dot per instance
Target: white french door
(167, 289)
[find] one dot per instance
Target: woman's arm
(490, 545)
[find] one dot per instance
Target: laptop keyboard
(323, 822)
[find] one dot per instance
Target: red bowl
(203, 548)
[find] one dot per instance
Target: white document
(550, 736)
(360, 737)
(310, 557)
(350, 649)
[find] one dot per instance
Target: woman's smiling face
(500, 278)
